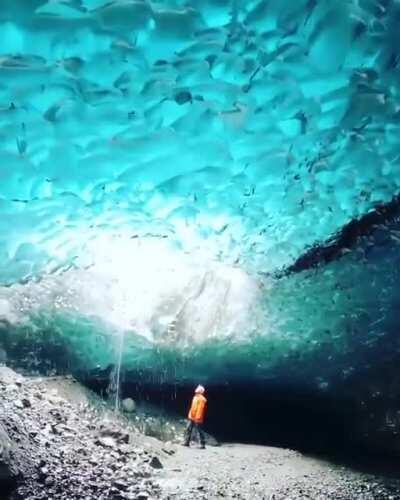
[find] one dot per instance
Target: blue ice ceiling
(155, 136)
(257, 127)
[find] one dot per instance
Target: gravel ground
(58, 442)
(249, 472)
(60, 446)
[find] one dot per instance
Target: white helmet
(200, 390)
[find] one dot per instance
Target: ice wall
(143, 286)
(234, 134)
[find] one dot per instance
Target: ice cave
(208, 191)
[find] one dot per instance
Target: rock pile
(54, 448)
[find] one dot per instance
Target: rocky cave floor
(58, 442)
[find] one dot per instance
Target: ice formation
(229, 136)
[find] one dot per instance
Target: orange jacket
(198, 409)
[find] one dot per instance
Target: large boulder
(129, 405)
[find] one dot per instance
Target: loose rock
(129, 405)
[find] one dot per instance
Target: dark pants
(189, 429)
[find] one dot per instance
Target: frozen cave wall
(166, 171)
(255, 128)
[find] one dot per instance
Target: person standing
(196, 417)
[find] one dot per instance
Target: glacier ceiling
(235, 134)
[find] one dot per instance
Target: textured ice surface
(256, 128)
(163, 295)
(242, 132)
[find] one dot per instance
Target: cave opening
(335, 425)
(262, 414)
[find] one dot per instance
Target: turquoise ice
(160, 161)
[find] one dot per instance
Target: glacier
(174, 173)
